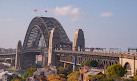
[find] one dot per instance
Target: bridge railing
(103, 53)
(8, 54)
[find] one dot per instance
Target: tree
(29, 72)
(25, 75)
(90, 63)
(116, 71)
(41, 77)
(73, 76)
(99, 77)
(16, 78)
(54, 77)
(134, 79)
(63, 70)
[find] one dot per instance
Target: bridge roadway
(87, 53)
(34, 51)
(8, 54)
(104, 59)
(103, 53)
(27, 51)
(67, 56)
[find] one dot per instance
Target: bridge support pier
(74, 67)
(78, 44)
(27, 61)
(79, 41)
(64, 65)
(4, 60)
(129, 63)
(54, 41)
(11, 60)
(18, 58)
(43, 60)
(75, 60)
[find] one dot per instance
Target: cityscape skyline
(105, 23)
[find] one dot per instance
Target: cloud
(6, 20)
(74, 13)
(107, 14)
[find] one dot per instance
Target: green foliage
(116, 71)
(16, 78)
(62, 70)
(90, 63)
(135, 78)
(63, 75)
(128, 80)
(73, 76)
(29, 72)
(98, 77)
(55, 80)
(54, 77)
(110, 79)
(25, 75)
(102, 77)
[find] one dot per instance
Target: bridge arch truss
(40, 27)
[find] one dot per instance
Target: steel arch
(42, 26)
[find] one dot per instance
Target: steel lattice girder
(42, 26)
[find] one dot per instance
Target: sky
(106, 23)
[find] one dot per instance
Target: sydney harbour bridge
(46, 36)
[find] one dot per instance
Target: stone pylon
(54, 42)
(79, 41)
(18, 59)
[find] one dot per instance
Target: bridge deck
(112, 54)
(87, 52)
(8, 54)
